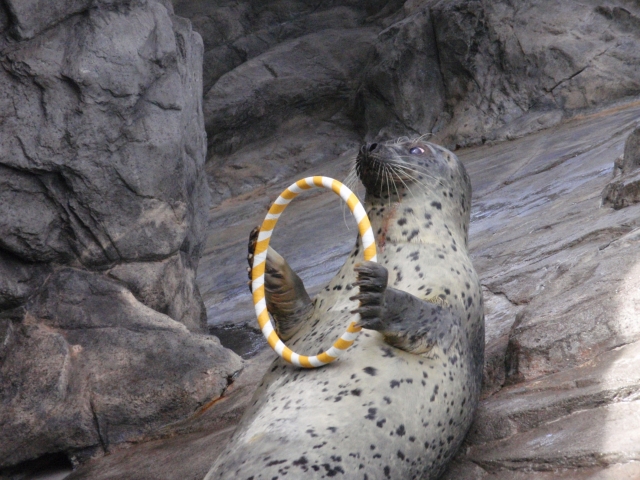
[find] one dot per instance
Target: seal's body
(399, 402)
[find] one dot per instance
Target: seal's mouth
(381, 170)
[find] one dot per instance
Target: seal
(399, 402)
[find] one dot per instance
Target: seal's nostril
(373, 147)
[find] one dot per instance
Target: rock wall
(103, 211)
(294, 83)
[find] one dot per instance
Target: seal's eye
(416, 151)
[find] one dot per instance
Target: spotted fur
(398, 403)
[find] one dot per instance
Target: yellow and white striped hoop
(259, 263)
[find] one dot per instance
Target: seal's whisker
(388, 190)
(418, 172)
(378, 159)
(421, 137)
(415, 180)
(403, 182)
(396, 188)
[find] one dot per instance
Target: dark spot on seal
(300, 462)
(414, 234)
(394, 384)
(356, 392)
(381, 422)
(372, 414)
(332, 471)
(437, 205)
(400, 430)
(387, 352)
(402, 221)
(370, 371)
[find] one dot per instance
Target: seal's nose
(368, 148)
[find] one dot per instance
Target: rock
(578, 317)
(403, 91)
(168, 286)
(625, 190)
(603, 435)
(503, 314)
(465, 71)
(103, 204)
(33, 16)
(286, 81)
(85, 366)
(19, 280)
(534, 65)
(189, 446)
(622, 193)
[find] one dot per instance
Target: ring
(260, 258)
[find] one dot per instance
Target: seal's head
(418, 174)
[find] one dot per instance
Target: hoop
(259, 264)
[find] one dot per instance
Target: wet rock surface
(103, 201)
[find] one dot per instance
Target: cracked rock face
(103, 203)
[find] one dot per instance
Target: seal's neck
(418, 217)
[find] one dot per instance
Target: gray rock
(103, 204)
(467, 71)
(502, 63)
(168, 286)
(33, 16)
(84, 366)
(631, 157)
(403, 91)
(188, 447)
(286, 81)
(624, 190)
(19, 280)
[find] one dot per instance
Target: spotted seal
(399, 402)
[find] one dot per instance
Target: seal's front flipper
(287, 300)
(405, 321)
